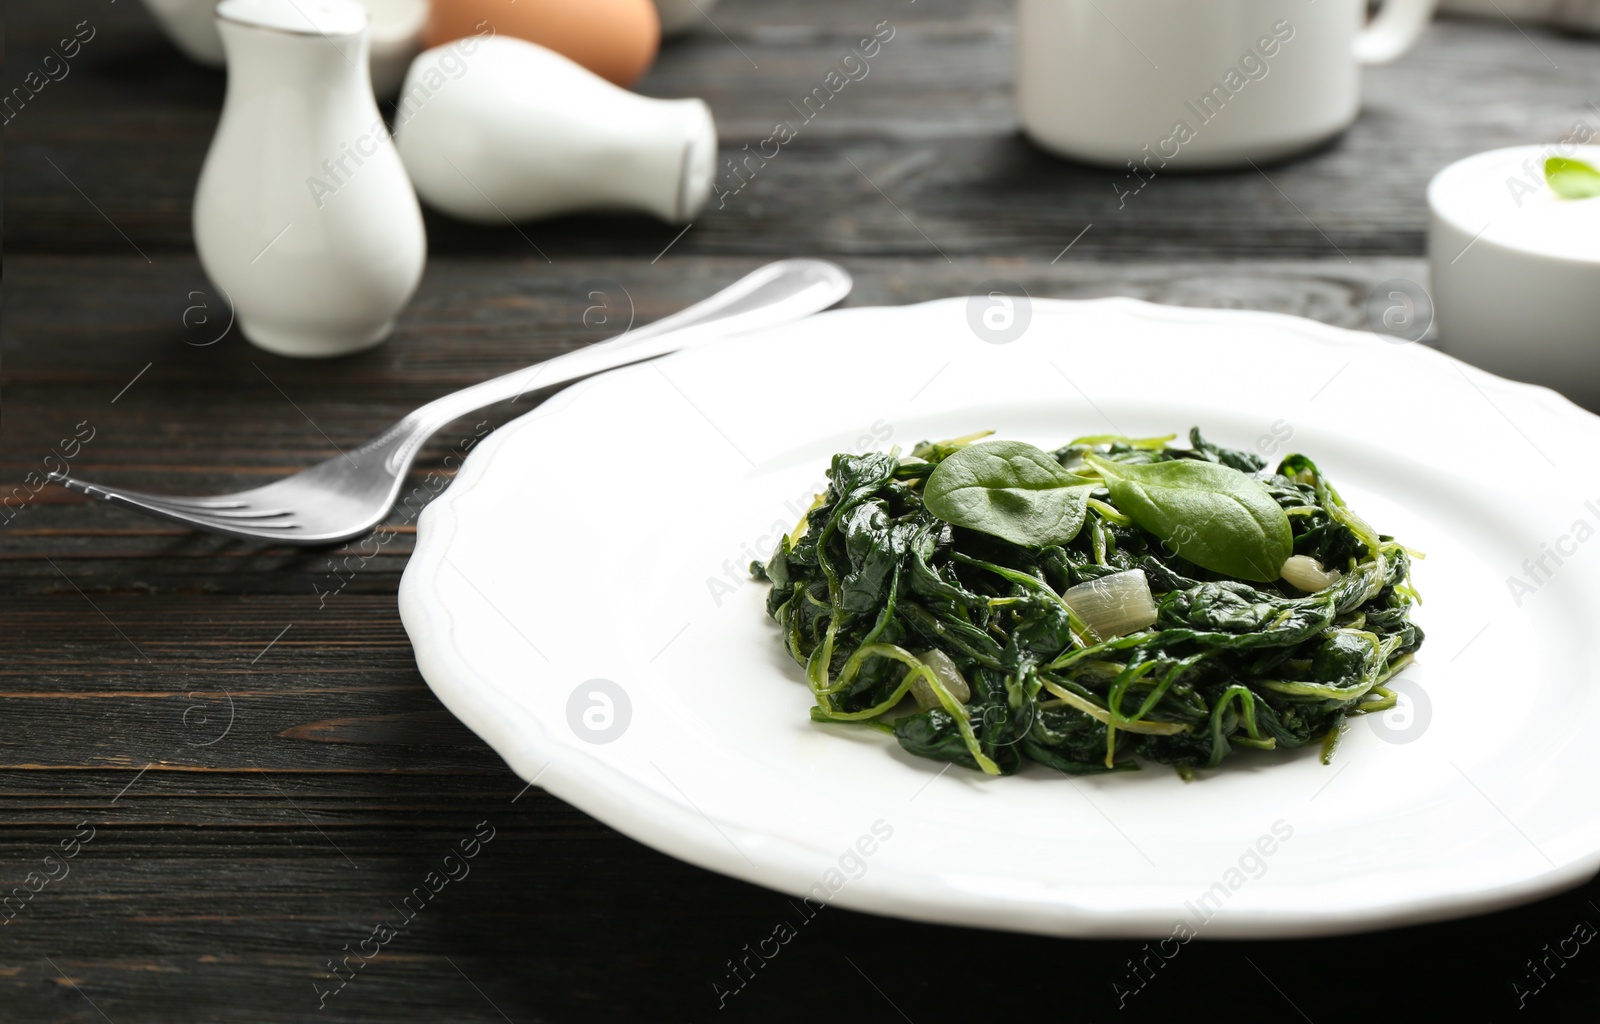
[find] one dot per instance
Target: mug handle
(1395, 29)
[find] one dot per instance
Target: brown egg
(616, 39)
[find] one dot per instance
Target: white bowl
(396, 34)
(1516, 269)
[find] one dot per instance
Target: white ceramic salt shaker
(496, 128)
(303, 215)
(1516, 269)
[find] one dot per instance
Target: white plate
(605, 536)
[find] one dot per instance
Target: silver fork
(349, 495)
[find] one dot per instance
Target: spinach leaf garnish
(1212, 514)
(944, 598)
(1011, 490)
(1572, 179)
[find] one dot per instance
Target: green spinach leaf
(1213, 515)
(1011, 490)
(1572, 179)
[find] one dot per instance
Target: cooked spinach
(1278, 612)
(1212, 514)
(1010, 489)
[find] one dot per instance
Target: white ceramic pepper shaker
(304, 215)
(496, 128)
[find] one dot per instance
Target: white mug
(1196, 84)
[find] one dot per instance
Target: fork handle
(777, 293)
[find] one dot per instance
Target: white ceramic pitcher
(303, 215)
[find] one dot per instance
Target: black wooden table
(233, 743)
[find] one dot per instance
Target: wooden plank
(476, 317)
(548, 924)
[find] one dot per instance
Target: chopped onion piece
(949, 677)
(1307, 573)
(1114, 605)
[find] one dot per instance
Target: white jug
(497, 128)
(303, 215)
